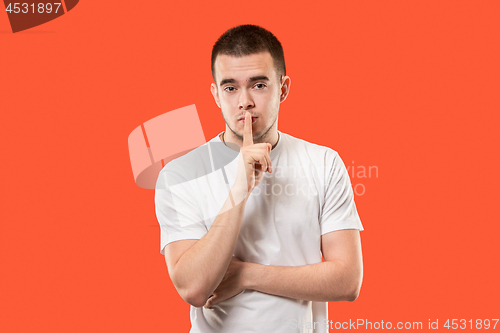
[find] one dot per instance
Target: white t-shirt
(307, 195)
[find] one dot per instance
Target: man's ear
(285, 88)
(215, 93)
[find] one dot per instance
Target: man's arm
(338, 278)
(196, 268)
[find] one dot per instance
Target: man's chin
(257, 136)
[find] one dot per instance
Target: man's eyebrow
(258, 78)
(252, 79)
(223, 82)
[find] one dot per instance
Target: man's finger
(209, 301)
(216, 300)
(269, 162)
(268, 158)
(247, 131)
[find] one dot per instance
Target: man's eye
(229, 89)
(260, 86)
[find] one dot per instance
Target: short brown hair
(249, 39)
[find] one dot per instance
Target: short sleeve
(339, 210)
(177, 210)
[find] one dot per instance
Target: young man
(246, 218)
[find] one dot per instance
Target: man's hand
(254, 158)
(231, 285)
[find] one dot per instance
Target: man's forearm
(327, 281)
(201, 268)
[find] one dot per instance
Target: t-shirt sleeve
(176, 209)
(339, 210)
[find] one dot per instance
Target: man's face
(249, 83)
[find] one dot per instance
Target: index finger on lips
(247, 131)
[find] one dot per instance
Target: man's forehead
(244, 67)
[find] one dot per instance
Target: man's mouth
(242, 119)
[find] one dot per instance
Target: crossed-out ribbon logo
(162, 139)
(28, 14)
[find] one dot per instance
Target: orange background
(411, 87)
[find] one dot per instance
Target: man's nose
(245, 101)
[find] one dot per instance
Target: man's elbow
(191, 292)
(353, 294)
(193, 297)
(348, 292)
(354, 289)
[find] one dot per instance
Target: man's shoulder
(198, 162)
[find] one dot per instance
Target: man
(246, 218)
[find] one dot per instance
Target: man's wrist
(238, 195)
(249, 275)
